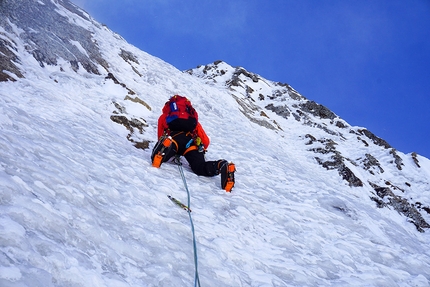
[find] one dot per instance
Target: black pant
(196, 159)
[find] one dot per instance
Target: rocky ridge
(261, 99)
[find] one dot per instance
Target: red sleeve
(202, 135)
(162, 125)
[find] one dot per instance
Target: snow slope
(81, 206)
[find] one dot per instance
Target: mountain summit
(317, 202)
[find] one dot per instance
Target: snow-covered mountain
(317, 202)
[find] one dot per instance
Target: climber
(180, 133)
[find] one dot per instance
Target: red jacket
(199, 131)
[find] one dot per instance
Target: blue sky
(366, 60)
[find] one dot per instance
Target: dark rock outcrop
(48, 36)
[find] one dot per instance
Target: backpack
(180, 114)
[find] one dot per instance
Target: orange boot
(158, 158)
(227, 175)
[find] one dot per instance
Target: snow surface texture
(81, 206)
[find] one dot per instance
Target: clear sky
(366, 60)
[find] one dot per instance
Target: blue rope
(196, 276)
